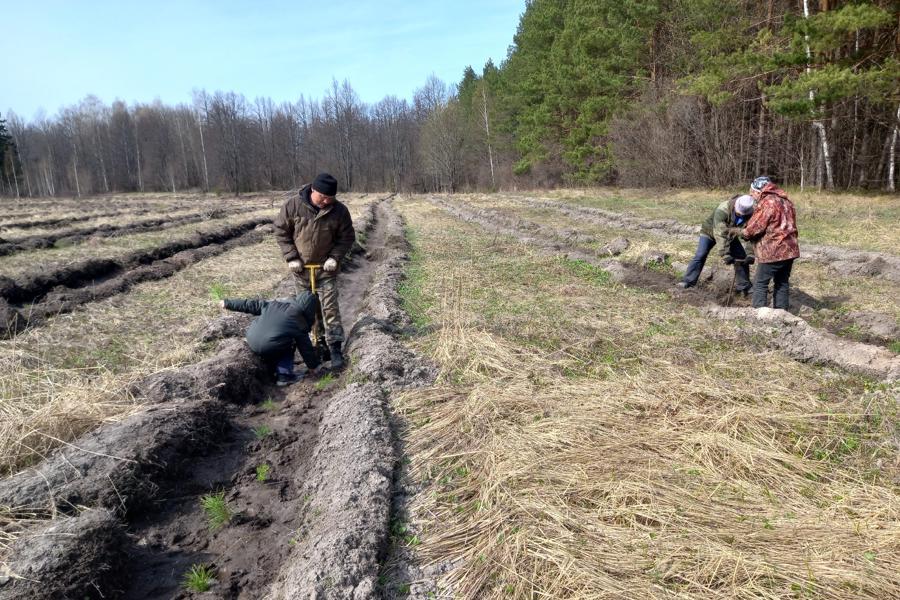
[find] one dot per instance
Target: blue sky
(55, 53)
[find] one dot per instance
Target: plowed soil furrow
(843, 260)
(28, 301)
(796, 337)
(77, 236)
(30, 224)
(306, 476)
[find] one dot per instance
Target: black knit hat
(325, 184)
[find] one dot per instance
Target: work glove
(295, 265)
(330, 265)
(728, 259)
(749, 260)
(734, 232)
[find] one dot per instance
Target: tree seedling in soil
(216, 508)
(217, 291)
(262, 472)
(325, 381)
(262, 431)
(199, 578)
(268, 404)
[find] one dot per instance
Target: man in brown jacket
(314, 228)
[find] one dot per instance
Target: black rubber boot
(337, 357)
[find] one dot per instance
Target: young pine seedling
(217, 511)
(325, 381)
(262, 472)
(217, 291)
(262, 431)
(199, 578)
(268, 404)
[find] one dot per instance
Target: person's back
(774, 227)
(278, 325)
(282, 326)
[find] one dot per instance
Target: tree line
(629, 92)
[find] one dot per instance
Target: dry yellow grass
(591, 441)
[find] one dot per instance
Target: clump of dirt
(226, 326)
(75, 557)
(802, 342)
(616, 247)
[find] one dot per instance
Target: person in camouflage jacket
(773, 229)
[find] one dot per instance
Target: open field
(531, 410)
(864, 222)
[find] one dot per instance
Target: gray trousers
(326, 290)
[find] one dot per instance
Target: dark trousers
(780, 273)
(283, 364)
(704, 247)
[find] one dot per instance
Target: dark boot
(337, 357)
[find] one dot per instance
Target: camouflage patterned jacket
(773, 227)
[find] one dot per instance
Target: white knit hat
(743, 205)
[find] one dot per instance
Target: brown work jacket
(313, 236)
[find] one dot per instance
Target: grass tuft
(262, 472)
(218, 513)
(325, 381)
(199, 579)
(261, 431)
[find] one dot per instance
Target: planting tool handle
(312, 276)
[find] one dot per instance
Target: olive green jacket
(717, 225)
(313, 235)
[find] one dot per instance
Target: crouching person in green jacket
(282, 326)
(723, 228)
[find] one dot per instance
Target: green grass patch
(411, 288)
(218, 291)
(325, 381)
(262, 431)
(586, 271)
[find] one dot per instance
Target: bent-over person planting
(314, 228)
(722, 228)
(281, 327)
